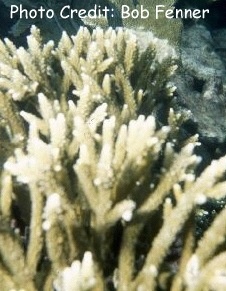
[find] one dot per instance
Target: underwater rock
(200, 83)
(219, 37)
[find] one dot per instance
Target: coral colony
(99, 191)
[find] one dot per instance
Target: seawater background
(217, 16)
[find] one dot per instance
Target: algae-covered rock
(163, 28)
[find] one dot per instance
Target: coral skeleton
(103, 185)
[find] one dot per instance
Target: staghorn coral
(101, 172)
